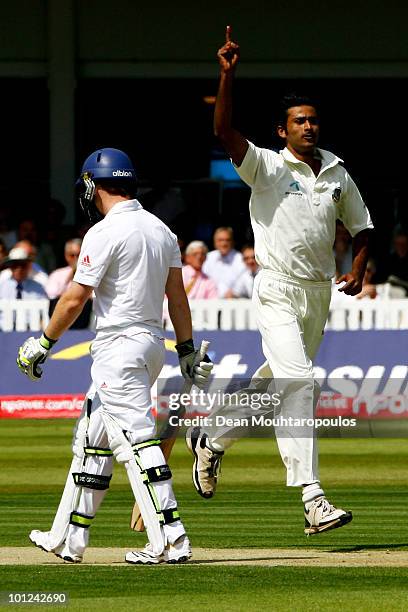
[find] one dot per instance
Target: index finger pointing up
(228, 33)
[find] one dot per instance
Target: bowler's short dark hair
(289, 101)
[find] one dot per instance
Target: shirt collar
(328, 158)
(124, 206)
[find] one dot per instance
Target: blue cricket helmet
(107, 164)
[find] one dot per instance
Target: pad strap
(146, 444)
(169, 516)
(96, 450)
(91, 481)
(159, 473)
(80, 520)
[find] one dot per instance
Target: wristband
(185, 348)
(46, 342)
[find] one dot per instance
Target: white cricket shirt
(293, 212)
(126, 258)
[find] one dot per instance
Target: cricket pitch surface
(267, 557)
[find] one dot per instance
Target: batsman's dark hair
(122, 187)
(289, 101)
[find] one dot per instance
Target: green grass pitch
(252, 508)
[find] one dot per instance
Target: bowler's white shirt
(224, 269)
(126, 258)
(293, 212)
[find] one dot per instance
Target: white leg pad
(152, 456)
(123, 452)
(74, 496)
(58, 531)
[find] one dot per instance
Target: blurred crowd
(39, 254)
(385, 278)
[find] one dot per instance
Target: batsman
(296, 197)
(129, 259)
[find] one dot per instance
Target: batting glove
(193, 368)
(33, 352)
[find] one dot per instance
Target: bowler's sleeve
(258, 167)
(94, 258)
(352, 210)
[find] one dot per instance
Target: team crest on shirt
(336, 195)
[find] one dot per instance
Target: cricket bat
(169, 438)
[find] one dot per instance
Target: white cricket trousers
(123, 371)
(291, 315)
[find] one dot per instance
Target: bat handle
(203, 348)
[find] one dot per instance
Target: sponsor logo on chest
(294, 189)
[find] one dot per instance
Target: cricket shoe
(322, 516)
(179, 552)
(64, 553)
(40, 539)
(207, 462)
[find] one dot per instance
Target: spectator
(245, 282)
(196, 283)
(46, 258)
(36, 272)
(19, 285)
(60, 280)
(224, 264)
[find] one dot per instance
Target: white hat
(17, 254)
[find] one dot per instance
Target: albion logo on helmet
(121, 173)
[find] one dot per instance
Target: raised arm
(233, 142)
